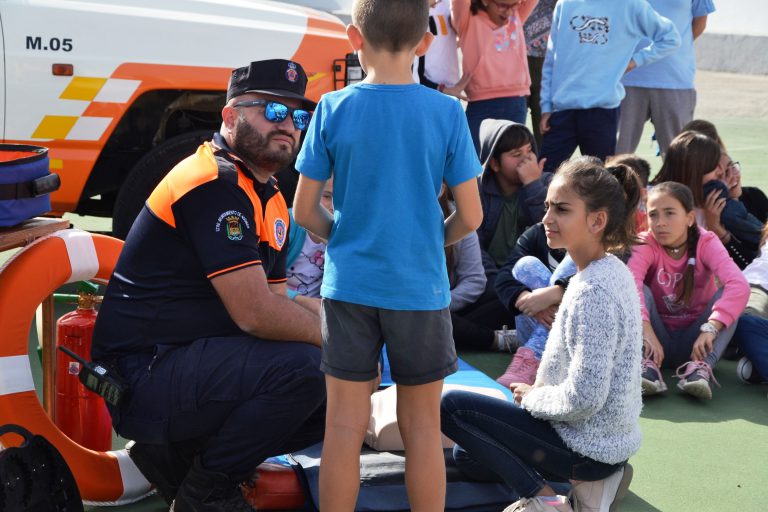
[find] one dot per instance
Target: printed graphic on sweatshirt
(592, 30)
(669, 282)
(508, 36)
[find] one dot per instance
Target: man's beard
(249, 144)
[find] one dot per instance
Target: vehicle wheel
(147, 173)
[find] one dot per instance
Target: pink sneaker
(522, 368)
(653, 382)
(696, 379)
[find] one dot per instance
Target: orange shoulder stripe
(189, 173)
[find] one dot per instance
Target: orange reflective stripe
(188, 174)
(443, 26)
(277, 281)
(230, 269)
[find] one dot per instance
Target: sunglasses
(277, 112)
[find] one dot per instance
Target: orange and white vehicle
(121, 91)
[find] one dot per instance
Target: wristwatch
(708, 327)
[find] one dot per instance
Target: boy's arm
(662, 32)
(700, 10)
(468, 214)
(307, 210)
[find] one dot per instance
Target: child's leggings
(678, 345)
(530, 271)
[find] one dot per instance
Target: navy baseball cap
(278, 77)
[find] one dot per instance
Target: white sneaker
(602, 495)
(505, 340)
(541, 504)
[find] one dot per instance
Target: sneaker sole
(698, 388)
(626, 479)
(652, 388)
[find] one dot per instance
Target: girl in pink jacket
(687, 321)
(494, 56)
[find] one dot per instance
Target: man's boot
(162, 465)
(208, 491)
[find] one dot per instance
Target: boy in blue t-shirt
(592, 43)
(390, 144)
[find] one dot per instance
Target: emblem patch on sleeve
(232, 221)
(279, 232)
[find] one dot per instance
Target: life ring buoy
(25, 280)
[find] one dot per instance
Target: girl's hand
(519, 390)
(457, 90)
(713, 208)
(652, 348)
(531, 303)
(703, 346)
(547, 316)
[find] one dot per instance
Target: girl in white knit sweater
(579, 422)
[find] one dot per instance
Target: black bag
(34, 477)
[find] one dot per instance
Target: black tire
(147, 173)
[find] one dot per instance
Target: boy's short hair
(391, 25)
(516, 136)
(641, 166)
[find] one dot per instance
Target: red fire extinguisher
(78, 412)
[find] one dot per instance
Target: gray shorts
(420, 345)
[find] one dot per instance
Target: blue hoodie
(590, 46)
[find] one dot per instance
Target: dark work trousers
(244, 399)
(592, 130)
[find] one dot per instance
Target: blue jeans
(513, 108)
(534, 274)
(678, 345)
(499, 440)
(592, 130)
(752, 336)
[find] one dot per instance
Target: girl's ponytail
(626, 235)
(615, 190)
(685, 286)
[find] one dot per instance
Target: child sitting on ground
(752, 332)
(687, 321)
(694, 160)
(305, 262)
(390, 143)
(580, 420)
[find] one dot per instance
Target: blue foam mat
(382, 474)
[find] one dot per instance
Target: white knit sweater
(588, 383)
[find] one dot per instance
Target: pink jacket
(652, 266)
(495, 56)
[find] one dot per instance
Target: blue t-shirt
(677, 70)
(389, 147)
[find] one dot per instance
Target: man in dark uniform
(223, 368)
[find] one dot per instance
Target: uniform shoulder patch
(280, 232)
(232, 222)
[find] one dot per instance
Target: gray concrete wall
(732, 53)
(736, 39)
